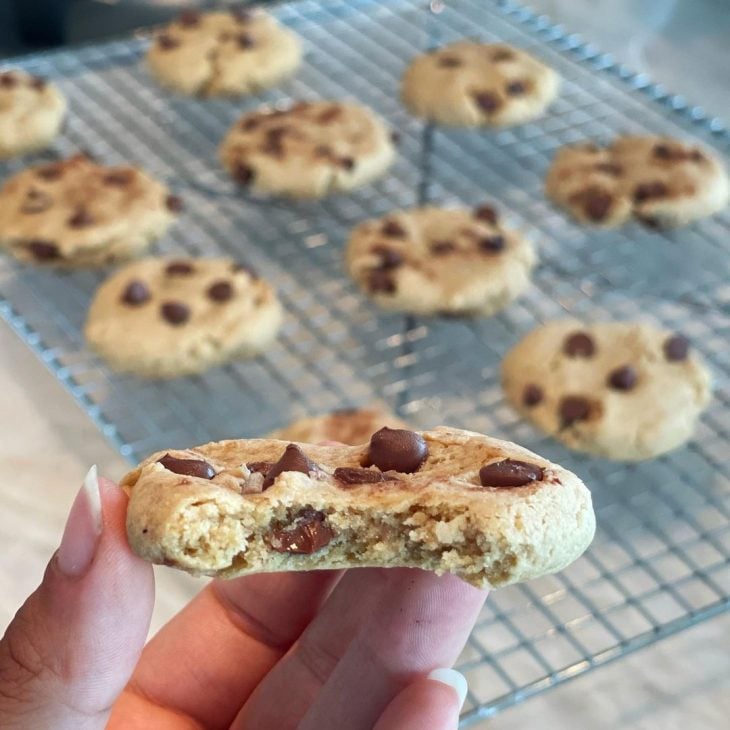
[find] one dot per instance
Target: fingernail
(455, 680)
(83, 529)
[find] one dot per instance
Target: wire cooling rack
(660, 559)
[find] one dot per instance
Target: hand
(322, 650)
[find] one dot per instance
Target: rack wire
(660, 561)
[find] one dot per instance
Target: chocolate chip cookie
(308, 150)
(77, 213)
(471, 84)
(661, 182)
(351, 426)
(621, 390)
(440, 261)
(446, 500)
(223, 53)
(161, 318)
(31, 112)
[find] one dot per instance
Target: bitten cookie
(659, 181)
(309, 150)
(161, 318)
(351, 426)
(446, 500)
(225, 53)
(440, 261)
(470, 84)
(31, 112)
(77, 213)
(621, 390)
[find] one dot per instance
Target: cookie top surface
(661, 182)
(31, 110)
(223, 53)
(440, 260)
(183, 315)
(351, 426)
(78, 212)
(478, 84)
(307, 150)
(622, 390)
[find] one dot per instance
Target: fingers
(430, 703)
(71, 648)
(210, 657)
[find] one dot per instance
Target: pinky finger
(430, 703)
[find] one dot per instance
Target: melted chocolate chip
(663, 151)
(187, 467)
(293, 459)
(579, 344)
(249, 124)
(118, 178)
(8, 80)
(623, 378)
(502, 54)
(389, 258)
(173, 203)
(516, 88)
(487, 101)
(220, 291)
(393, 229)
(449, 62)
(189, 18)
(510, 473)
(176, 313)
(347, 162)
(245, 41)
(167, 42)
(395, 449)
(309, 533)
(259, 467)
(596, 203)
(574, 408)
(136, 293)
(381, 280)
(81, 218)
(649, 191)
(491, 244)
(43, 250)
(354, 475)
(179, 268)
(442, 248)
(676, 348)
(532, 395)
(486, 213)
(696, 156)
(49, 172)
(243, 174)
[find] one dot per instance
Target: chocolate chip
(381, 280)
(676, 348)
(189, 18)
(354, 475)
(8, 80)
(249, 123)
(516, 88)
(487, 101)
(648, 191)
(243, 173)
(393, 229)
(623, 378)
(395, 449)
(259, 467)
(176, 313)
(329, 115)
(36, 201)
(167, 42)
(532, 395)
(491, 244)
(245, 41)
(486, 213)
(347, 162)
(220, 291)
(118, 178)
(449, 62)
(309, 533)
(43, 250)
(293, 459)
(187, 467)
(179, 268)
(441, 248)
(273, 142)
(574, 408)
(389, 258)
(510, 473)
(663, 152)
(38, 83)
(49, 172)
(579, 344)
(174, 203)
(610, 168)
(696, 156)
(502, 54)
(137, 292)
(81, 218)
(596, 203)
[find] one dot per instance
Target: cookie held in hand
(445, 500)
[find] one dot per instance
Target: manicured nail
(83, 529)
(455, 680)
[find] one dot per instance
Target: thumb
(71, 648)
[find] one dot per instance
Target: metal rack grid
(660, 559)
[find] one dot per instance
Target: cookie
(440, 261)
(31, 112)
(309, 150)
(351, 426)
(446, 500)
(471, 84)
(659, 181)
(161, 318)
(223, 53)
(77, 213)
(621, 390)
